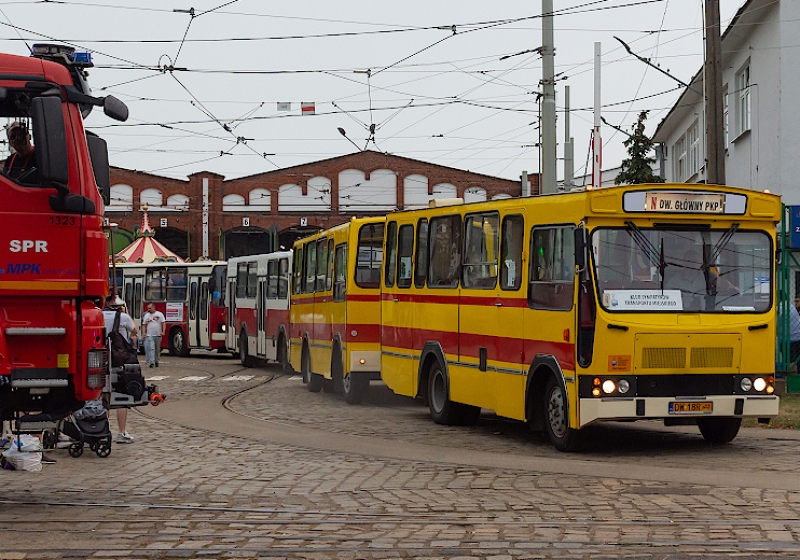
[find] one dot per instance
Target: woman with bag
(120, 323)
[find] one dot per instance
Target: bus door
(137, 304)
(232, 342)
(204, 300)
(261, 311)
(323, 308)
(194, 315)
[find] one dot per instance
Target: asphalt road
(247, 463)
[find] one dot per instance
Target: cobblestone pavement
(192, 487)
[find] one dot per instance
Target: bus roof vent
(441, 202)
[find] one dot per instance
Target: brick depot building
(207, 215)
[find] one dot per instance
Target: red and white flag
(307, 108)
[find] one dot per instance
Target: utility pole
(715, 143)
(569, 145)
(548, 122)
(597, 140)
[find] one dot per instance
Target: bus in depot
(190, 295)
(623, 303)
(335, 308)
(258, 307)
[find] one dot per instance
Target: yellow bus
(335, 308)
(623, 303)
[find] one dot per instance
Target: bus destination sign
(685, 202)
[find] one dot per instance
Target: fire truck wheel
(75, 450)
(556, 424)
(177, 343)
(719, 430)
(443, 410)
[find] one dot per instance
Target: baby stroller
(89, 425)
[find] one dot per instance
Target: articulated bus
(335, 308)
(622, 303)
(258, 307)
(190, 295)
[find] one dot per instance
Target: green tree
(638, 168)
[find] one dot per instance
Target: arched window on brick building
(260, 200)
(318, 199)
(233, 203)
(357, 194)
(474, 194)
(178, 202)
(121, 198)
(445, 190)
(415, 191)
(152, 197)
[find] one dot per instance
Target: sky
(449, 82)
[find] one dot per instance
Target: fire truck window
(369, 256)
(204, 302)
(552, 273)
(193, 301)
(156, 284)
(252, 279)
(241, 280)
(176, 284)
(329, 267)
(311, 268)
(405, 250)
(445, 252)
(421, 264)
(511, 253)
(137, 301)
(391, 254)
(272, 279)
(283, 278)
(340, 273)
(480, 251)
(322, 261)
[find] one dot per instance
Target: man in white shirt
(128, 329)
(154, 325)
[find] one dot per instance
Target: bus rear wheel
(443, 410)
(719, 430)
(244, 357)
(556, 419)
(354, 388)
(283, 356)
(177, 343)
(312, 380)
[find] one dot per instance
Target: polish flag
(307, 108)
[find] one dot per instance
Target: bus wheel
(556, 423)
(355, 388)
(443, 410)
(719, 430)
(312, 380)
(283, 356)
(243, 356)
(177, 343)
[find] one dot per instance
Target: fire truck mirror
(98, 152)
(115, 108)
(51, 141)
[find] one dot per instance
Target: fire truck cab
(53, 248)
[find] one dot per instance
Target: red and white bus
(258, 307)
(190, 295)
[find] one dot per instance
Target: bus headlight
(746, 384)
(759, 384)
(623, 386)
(609, 386)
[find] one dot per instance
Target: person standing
(154, 325)
(128, 329)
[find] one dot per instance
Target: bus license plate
(691, 407)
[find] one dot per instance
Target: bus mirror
(580, 249)
(51, 140)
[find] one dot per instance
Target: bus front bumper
(632, 408)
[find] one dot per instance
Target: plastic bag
(30, 461)
(26, 443)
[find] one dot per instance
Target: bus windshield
(688, 270)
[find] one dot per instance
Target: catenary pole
(597, 140)
(548, 122)
(715, 145)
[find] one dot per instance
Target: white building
(761, 95)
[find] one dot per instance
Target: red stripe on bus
(365, 332)
(456, 299)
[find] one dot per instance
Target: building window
(743, 87)
(679, 155)
(693, 140)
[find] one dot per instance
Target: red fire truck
(53, 250)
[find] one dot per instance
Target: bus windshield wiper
(643, 242)
(720, 245)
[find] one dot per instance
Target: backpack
(121, 350)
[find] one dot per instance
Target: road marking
(194, 378)
(296, 378)
(238, 378)
(157, 377)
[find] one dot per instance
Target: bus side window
(552, 273)
(405, 250)
(310, 268)
(322, 261)
(445, 252)
(193, 301)
(252, 279)
(283, 279)
(155, 284)
(204, 301)
(340, 273)
(298, 270)
(391, 253)
(480, 251)
(176, 284)
(421, 262)
(329, 267)
(369, 256)
(511, 253)
(241, 280)
(272, 279)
